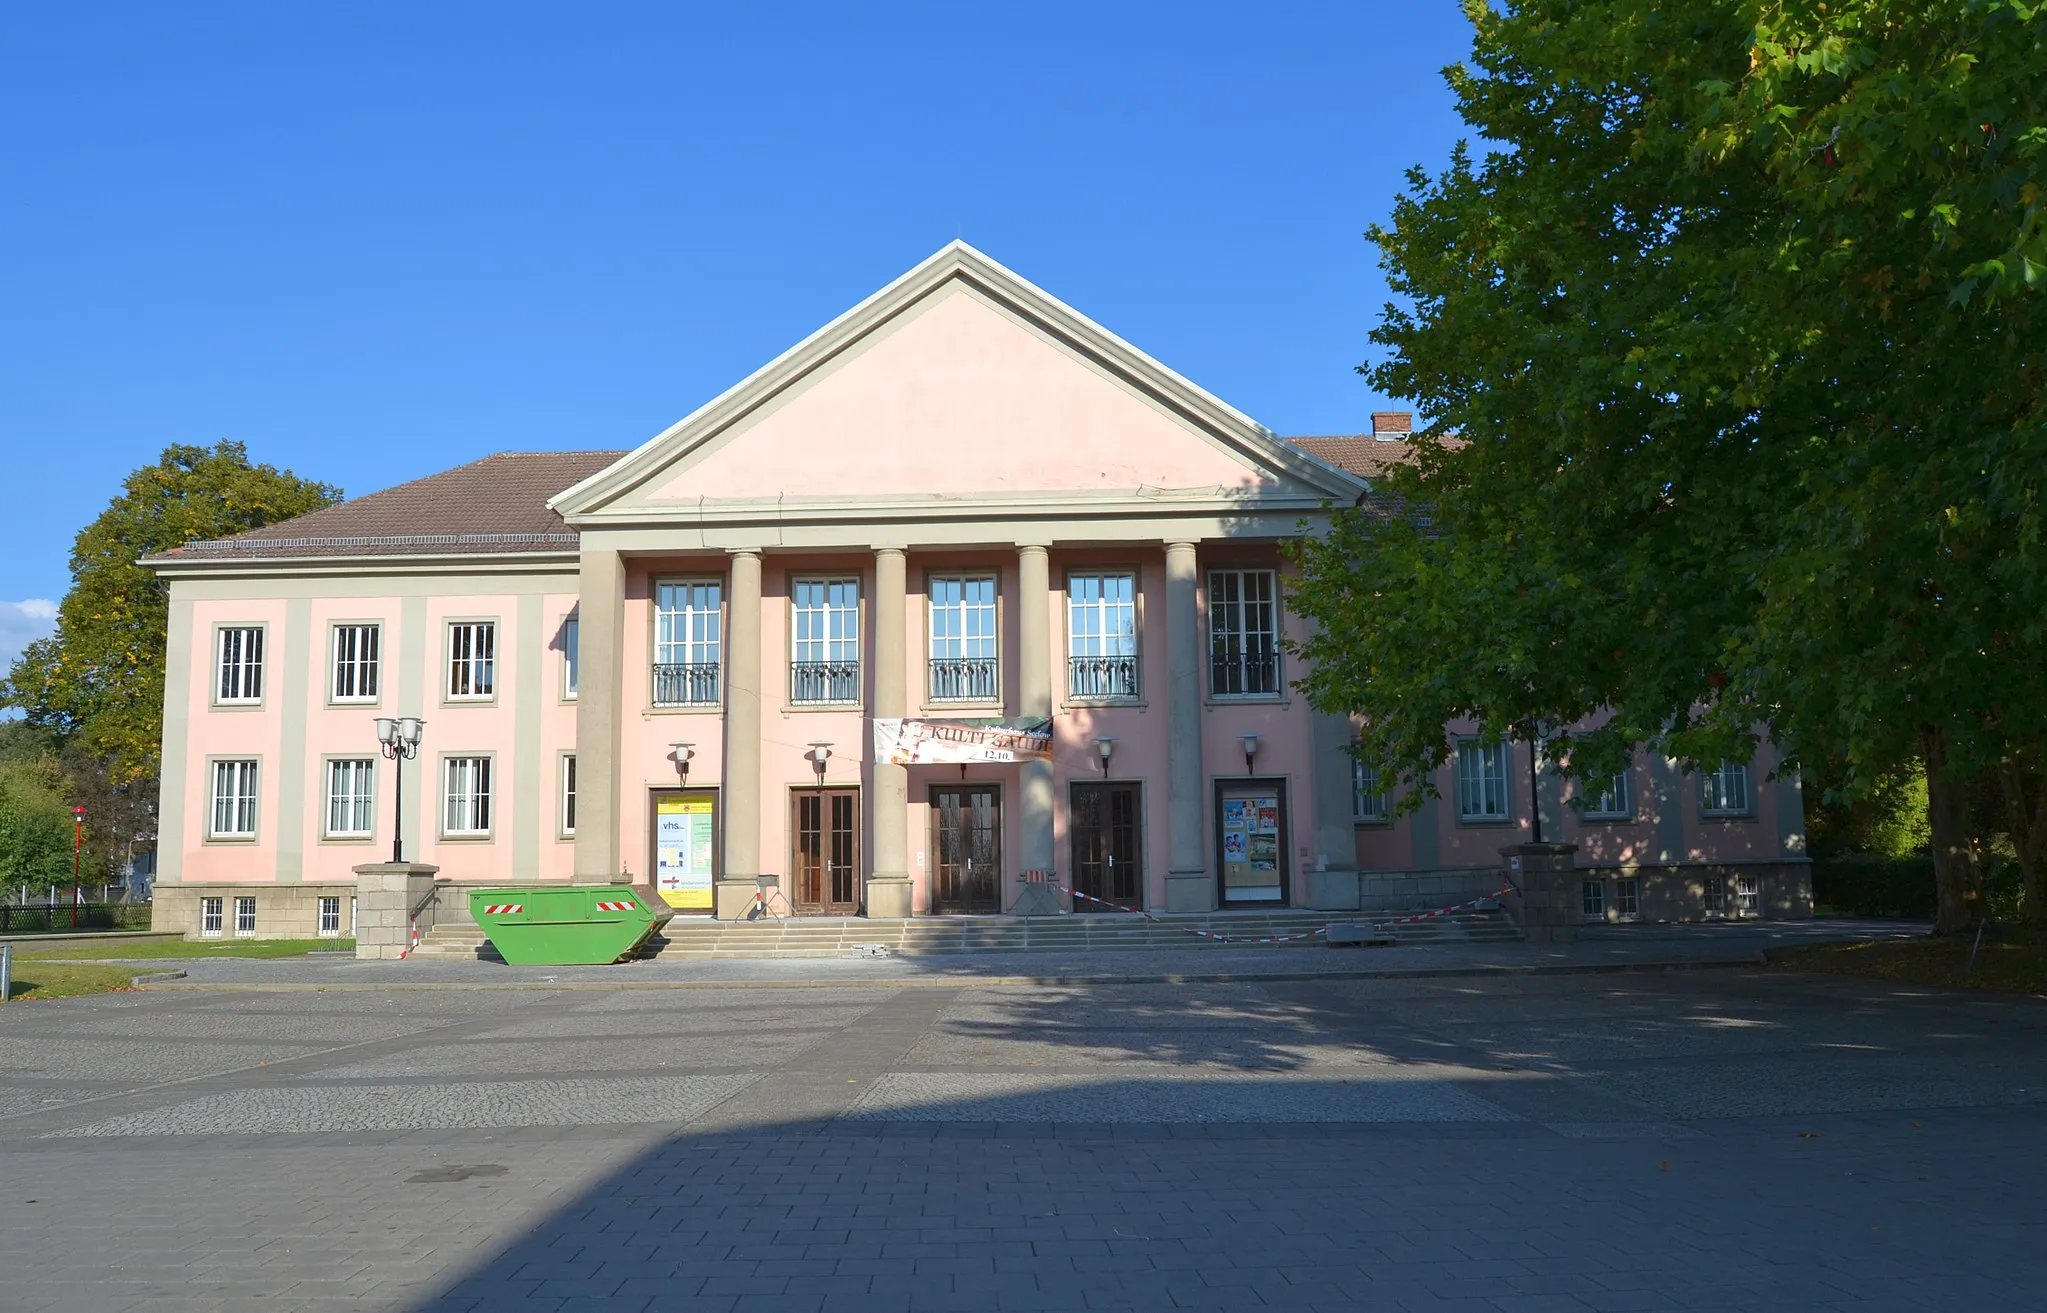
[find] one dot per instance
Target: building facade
(961, 605)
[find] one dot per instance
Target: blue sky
(376, 240)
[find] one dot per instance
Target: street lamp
(77, 851)
(399, 737)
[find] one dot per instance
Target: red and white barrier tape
(407, 951)
(1444, 911)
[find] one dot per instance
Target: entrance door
(1106, 863)
(966, 837)
(685, 847)
(1252, 840)
(827, 857)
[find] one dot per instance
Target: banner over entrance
(924, 742)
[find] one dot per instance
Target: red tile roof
(497, 504)
(1360, 454)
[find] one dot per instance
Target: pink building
(959, 603)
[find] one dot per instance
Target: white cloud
(22, 623)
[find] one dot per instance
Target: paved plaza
(1719, 1138)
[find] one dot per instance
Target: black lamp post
(399, 738)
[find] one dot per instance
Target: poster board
(686, 849)
(1251, 845)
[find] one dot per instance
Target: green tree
(1738, 326)
(35, 822)
(97, 684)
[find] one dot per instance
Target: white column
(1189, 887)
(741, 797)
(600, 633)
(1034, 702)
(1333, 882)
(888, 888)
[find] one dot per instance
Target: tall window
(1367, 799)
(1482, 781)
(1612, 803)
(234, 799)
(355, 663)
(1725, 790)
(572, 634)
(1627, 898)
(466, 798)
(472, 659)
(245, 916)
(209, 917)
(1592, 900)
(1243, 633)
(1101, 635)
(330, 916)
(964, 664)
(240, 664)
(824, 652)
(688, 642)
(568, 795)
(351, 798)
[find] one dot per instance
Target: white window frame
(243, 775)
(1368, 802)
(567, 801)
(1615, 802)
(1478, 768)
(572, 654)
(963, 625)
(1627, 897)
(329, 912)
(1102, 624)
(1748, 897)
(471, 673)
(238, 652)
(245, 915)
(824, 630)
(1242, 631)
(210, 921)
(1592, 899)
(689, 631)
(1725, 790)
(360, 816)
(475, 798)
(1715, 895)
(354, 662)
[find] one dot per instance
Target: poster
(685, 850)
(1234, 817)
(1250, 849)
(918, 742)
(1233, 846)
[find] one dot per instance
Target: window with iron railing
(1243, 633)
(1101, 636)
(965, 666)
(824, 652)
(688, 642)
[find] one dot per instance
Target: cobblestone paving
(1725, 1139)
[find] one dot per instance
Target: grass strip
(2012, 959)
(185, 948)
(38, 978)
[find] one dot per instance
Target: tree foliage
(1738, 326)
(97, 684)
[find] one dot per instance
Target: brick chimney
(1392, 425)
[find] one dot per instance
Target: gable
(960, 382)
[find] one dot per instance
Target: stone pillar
(1333, 882)
(740, 795)
(1548, 878)
(600, 708)
(1035, 897)
(1189, 886)
(385, 894)
(888, 887)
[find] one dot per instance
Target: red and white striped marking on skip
(616, 907)
(496, 909)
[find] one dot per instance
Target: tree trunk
(2025, 794)
(1957, 901)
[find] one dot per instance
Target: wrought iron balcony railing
(686, 685)
(1243, 674)
(824, 681)
(965, 679)
(1101, 677)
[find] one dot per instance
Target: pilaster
(1189, 886)
(888, 886)
(741, 794)
(600, 635)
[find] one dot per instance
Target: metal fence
(55, 918)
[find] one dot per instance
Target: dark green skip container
(580, 925)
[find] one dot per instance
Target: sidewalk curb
(977, 982)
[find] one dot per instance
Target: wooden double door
(1106, 823)
(826, 862)
(966, 839)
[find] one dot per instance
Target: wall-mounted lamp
(682, 752)
(1106, 745)
(1250, 751)
(820, 753)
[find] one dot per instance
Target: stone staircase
(936, 936)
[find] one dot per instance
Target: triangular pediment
(963, 388)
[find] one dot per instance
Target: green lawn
(2012, 959)
(163, 948)
(39, 978)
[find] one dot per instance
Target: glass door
(1252, 841)
(827, 857)
(1106, 863)
(966, 825)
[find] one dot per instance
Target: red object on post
(77, 851)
